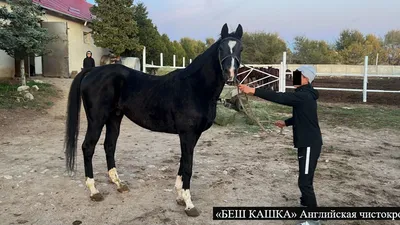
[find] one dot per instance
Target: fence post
(280, 89)
(365, 79)
(183, 60)
(144, 59)
(284, 73)
(174, 59)
(161, 60)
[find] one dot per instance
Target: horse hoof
(123, 188)
(193, 212)
(97, 197)
(180, 201)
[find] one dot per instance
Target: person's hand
(246, 89)
(280, 124)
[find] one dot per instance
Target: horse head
(229, 52)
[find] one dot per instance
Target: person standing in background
(88, 62)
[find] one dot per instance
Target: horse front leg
(179, 185)
(188, 142)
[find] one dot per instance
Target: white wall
(76, 46)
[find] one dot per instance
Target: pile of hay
(224, 115)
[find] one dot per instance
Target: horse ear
(224, 31)
(239, 31)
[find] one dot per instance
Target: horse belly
(152, 122)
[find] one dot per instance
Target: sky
(316, 19)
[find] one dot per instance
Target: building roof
(74, 8)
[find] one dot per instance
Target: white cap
(308, 71)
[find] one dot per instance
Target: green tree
(392, 37)
(354, 54)
(370, 46)
(192, 47)
(392, 47)
(261, 47)
(393, 55)
(148, 35)
(200, 47)
(313, 51)
(189, 46)
(114, 27)
(374, 48)
(167, 49)
(20, 32)
(348, 37)
(209, 41)
(179, 52)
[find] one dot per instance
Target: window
(87, 37)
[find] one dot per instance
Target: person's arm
(93, 63)
(289, 99)
(289, 122)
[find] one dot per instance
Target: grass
(43, 98)
(266, 113)
(355, 116)
(358, 116)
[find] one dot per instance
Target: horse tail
(72, 123)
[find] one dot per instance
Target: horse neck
(214, 81)
(207, 73)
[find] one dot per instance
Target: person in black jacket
(88, 62)
(307, 136)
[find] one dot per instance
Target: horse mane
(200, 60)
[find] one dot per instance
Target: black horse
(182, 102)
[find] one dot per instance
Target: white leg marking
(114, 177)
(178, 188)
(307, 161)
(90, 185)
(187, 198)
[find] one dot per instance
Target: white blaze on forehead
(231, 45)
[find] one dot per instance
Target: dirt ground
(231, 168)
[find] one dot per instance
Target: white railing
(365, 76)
(282, 75)
(145, 65)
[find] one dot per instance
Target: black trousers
(308, 158)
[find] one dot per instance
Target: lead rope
(248, 111)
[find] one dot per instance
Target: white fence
(365, 75)
(145, 65)
(365, 89)
(282, 75)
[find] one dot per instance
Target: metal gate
(259, 77)
(56, 63)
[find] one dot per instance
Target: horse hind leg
(88, 147)
(110, 143)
